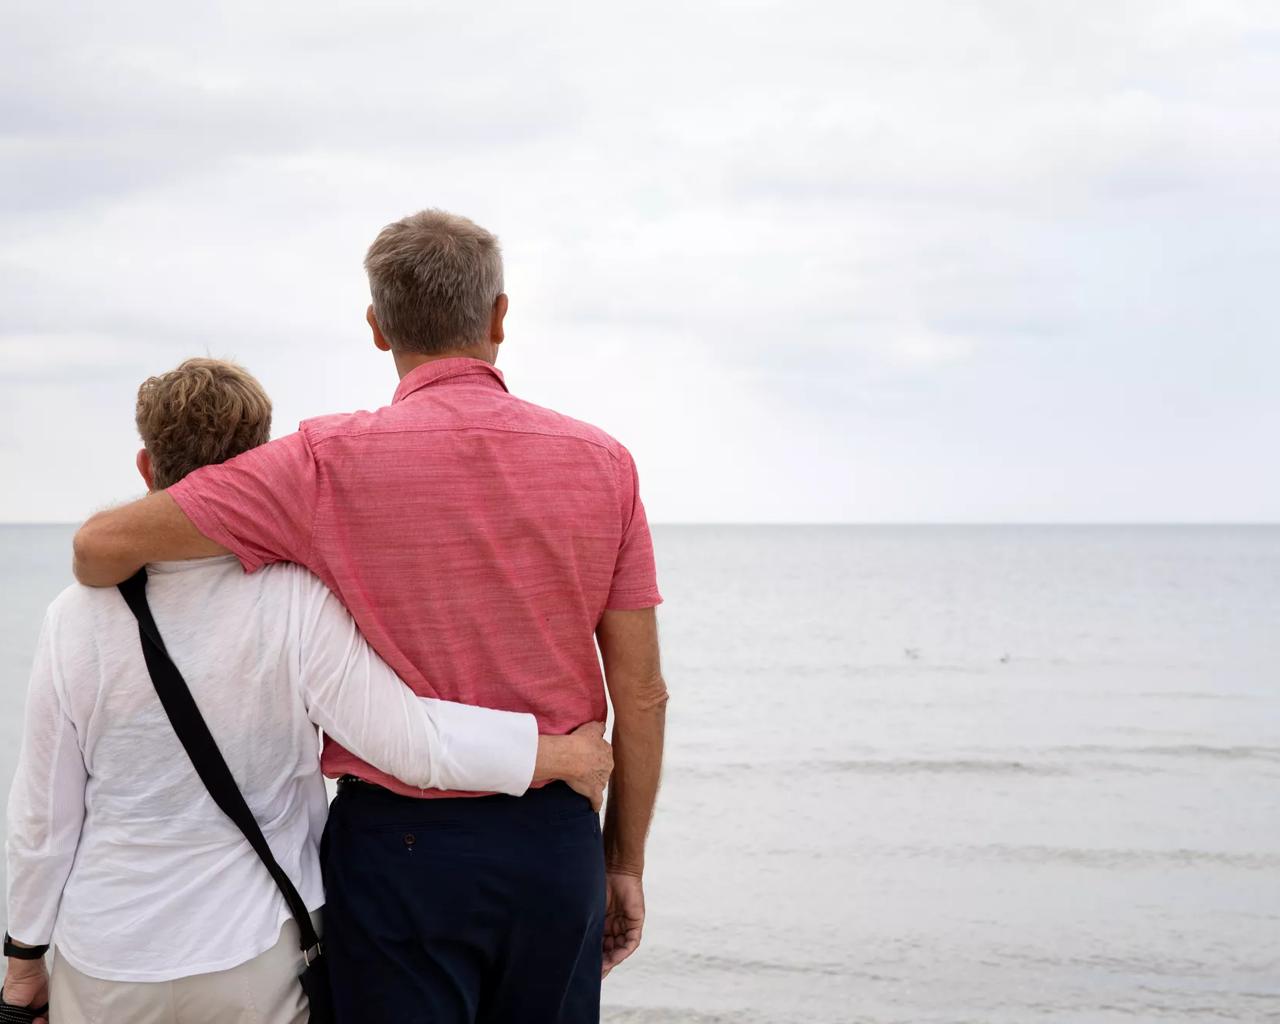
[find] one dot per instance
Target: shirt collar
(449, 371)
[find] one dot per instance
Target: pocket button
(409, 839)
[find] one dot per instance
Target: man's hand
(582, 759)
(26, 983)
(623, 918)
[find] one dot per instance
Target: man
(473, 537)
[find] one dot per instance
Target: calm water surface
(919, 774)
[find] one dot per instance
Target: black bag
(201, 747)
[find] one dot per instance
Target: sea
(962, 774)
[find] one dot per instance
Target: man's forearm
(112, 545)
(633, 673)
(638, 734)
(98, 559)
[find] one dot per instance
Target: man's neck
(407, 362)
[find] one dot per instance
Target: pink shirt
(477, 539)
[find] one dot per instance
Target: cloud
(805, 258)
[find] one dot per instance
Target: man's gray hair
(434, 277)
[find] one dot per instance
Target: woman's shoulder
(79, 605)
(290, 576)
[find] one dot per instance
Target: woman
(158, 908)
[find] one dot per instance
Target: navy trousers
(483, 910)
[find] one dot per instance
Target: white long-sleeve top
(115, 850)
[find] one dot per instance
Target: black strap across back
(193, 733)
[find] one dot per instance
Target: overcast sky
(919, 261)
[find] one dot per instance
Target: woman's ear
(143, 463)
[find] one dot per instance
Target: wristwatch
(23, 952)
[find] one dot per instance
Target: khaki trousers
(264, 990)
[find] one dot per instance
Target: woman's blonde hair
(204, 412)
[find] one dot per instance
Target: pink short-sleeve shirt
(476, 538)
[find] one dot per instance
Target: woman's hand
(582, 759)
(26, 983)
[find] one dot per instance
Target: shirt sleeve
(355, 697)
(46, 802)
(635, 578)
(260, 505)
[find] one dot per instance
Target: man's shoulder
(511, 414)
(336, 424)
(539, 419)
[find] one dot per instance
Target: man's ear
(143, 462)
(495, 321)
(379, 341)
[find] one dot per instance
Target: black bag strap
(193, 733)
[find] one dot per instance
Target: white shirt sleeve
(46, 802)
(355, 697)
